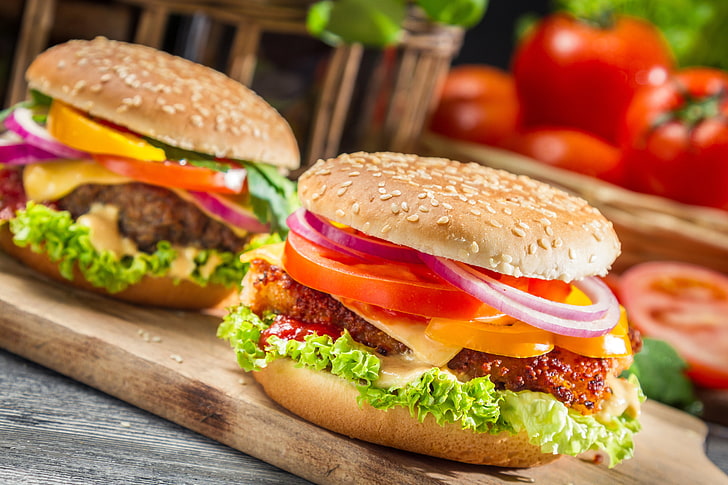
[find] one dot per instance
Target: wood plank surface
(172, 365)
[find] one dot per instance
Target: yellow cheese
(52, 180)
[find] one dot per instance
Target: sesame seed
(443, 220)
(396, 193)
(434, 202)
(475, 212)
(385, 229)
(354, 174)
(340, 213)
(424, 208)
(543, 243)
(517, 231)
(447, 206)
(572, 253)
(355, 207)
(422, 195)
(413, 218)
(495, 223)
(557, 243)
(549, 231)
(404, 206)
(382, 190)
(395, 208)
(532, 248)
(341, 191)
(592, 258)
(474, 248)
(385, 196)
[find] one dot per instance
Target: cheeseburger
(443, 308)
(142, 175)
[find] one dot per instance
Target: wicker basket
(649, 227)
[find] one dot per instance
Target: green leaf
(661, 372)
(375, 23)
(37, 100)
(272, 195)
(67, 243)
(465, 13)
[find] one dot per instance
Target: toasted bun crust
(150, 291)
(468, 212)
(165, 97)
(328, 401)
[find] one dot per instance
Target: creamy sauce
(184, 263)
(103, 223)
(399, 370)
(625, 398)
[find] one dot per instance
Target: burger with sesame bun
(442, 308)
(142, 175)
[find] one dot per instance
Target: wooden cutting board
(171, 364)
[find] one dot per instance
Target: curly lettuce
(68, 243)
(474, 404)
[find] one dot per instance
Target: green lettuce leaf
(474, 404)
(55, 233)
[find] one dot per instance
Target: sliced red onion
(595, 289)
(456, 274)
(21, 122)
(379, 248)
(228, 211)
(16, 151)
(298, 223)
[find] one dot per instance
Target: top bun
(490, 218)
(165, 97)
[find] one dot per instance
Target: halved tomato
(404, 287)
(174, 174)
(687, 306)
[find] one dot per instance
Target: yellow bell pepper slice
(503, 335)
(71, 127)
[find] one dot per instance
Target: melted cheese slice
(408, 330)
(52, 180)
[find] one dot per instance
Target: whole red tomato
(478, 104)
(675, 138)
(570, 149)
(570, 72)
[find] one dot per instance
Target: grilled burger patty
(149, 214)
(575, 380)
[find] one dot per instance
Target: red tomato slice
(170, 174)
(408, 288)
(687, 306)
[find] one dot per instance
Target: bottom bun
(150, 290)
(330, 402)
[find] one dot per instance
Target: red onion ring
(298, 223)
(21, 122)
(16, 151)
(228, 211)
(375, 247)
(458, 276)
